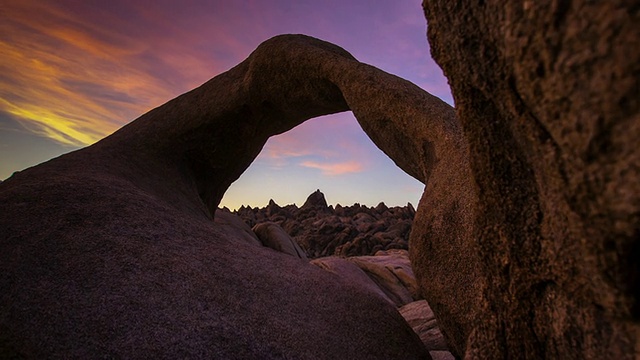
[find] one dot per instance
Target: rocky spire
(316, 199)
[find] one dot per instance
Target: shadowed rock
(112, 251)
(421, 318)
(351, 273)
(316, 199)
(547, 92)
(389, 276)
(391, 271)
(344, 231)
(272, 236)
(236, 227)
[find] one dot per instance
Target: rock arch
(288, 79)
(125, 249)
(111, 249)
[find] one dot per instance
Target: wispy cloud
(74, 73)
(46, 57)
(334, 169)
(329, 144)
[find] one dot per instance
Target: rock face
(272, 236)
(547, 93)
(422, 320)
(344, 231)
(388, 272)
(388, 275)
(315, 200)
(235, 227)
(112, 250)
(391, 271)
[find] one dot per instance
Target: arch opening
(331, 153)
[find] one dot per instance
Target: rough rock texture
(344, 231)
(388, 272)
(315, 200)
(441, 355)
(547, 93)
(272, 236)
(111, 251)
(350, 273)
(389, 276)
(234, 226)
(391, 271)
(422, 320)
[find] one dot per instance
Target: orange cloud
(70, 79)
(333, 169)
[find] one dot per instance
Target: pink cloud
(74, 74)
(334, 169)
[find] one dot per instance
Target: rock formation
(272, 236)
(388, 272)
(547, 93)
(421, 318)
(344, 231)
(315, 200)
(234, 226)
(112, 250)
(525, 242)
(388, 275)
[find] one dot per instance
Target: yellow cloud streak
(64, 130)
(38, 100)
(44, 61)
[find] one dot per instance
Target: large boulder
(422, 320)
(547, 93)
(388, 273)
(352, 274)
(272, 236)
(315, 200)
(236, 228)
(391, 271)
(389, 276)
(111, 250)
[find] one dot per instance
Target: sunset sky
(73, 72)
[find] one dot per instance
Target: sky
(74, 71)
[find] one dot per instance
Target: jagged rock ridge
(322, 230)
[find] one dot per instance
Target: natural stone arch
(214, 132)
(285, 81)
(158, 180)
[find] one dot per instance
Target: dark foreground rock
(422, 320)
(547, 92)
(272, 236)
(388, 275)
(322, 230)
(111, 251)
(525, 242)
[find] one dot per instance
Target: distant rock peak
(315, 200)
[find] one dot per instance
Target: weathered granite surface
(547, 94)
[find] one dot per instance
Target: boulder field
(322, 230)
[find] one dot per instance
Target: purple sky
(72, 72)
